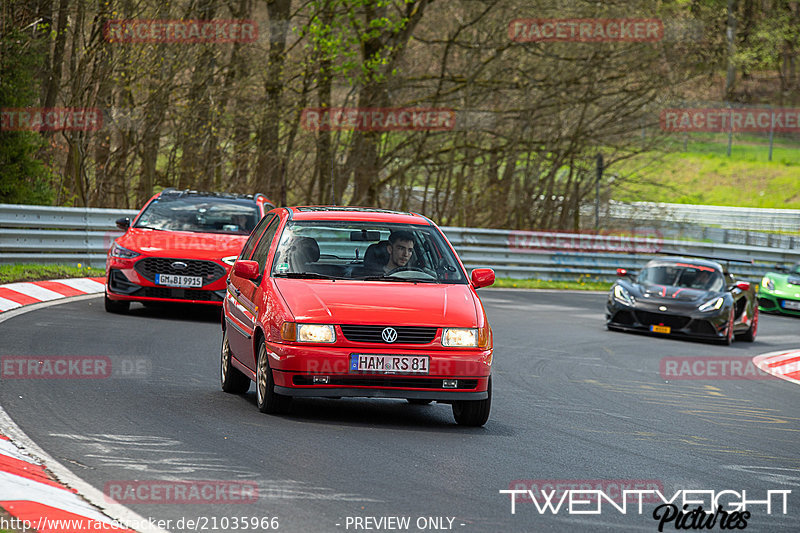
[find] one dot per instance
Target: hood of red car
(379, 302)
(183, 244)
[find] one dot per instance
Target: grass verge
(35, 272)
(579, 284)
(14, 273)
(703, 173)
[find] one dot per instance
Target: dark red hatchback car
(179, 248)
(341, 301)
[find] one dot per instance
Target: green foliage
(340, 32)
(24, 178)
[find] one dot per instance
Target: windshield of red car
(682, 275)
(361, 251)
(200, 214)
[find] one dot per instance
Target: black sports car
(684, 297)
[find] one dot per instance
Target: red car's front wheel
(473, 412)
(267, 399)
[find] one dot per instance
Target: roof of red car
(326, 212)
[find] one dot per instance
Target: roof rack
(191, 192)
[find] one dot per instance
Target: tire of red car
(267, 399)
(231, 378)
(473, 412)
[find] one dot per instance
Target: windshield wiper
(393, 278)
(304, 275)
(149, 227)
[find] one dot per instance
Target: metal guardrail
(49, 235)
(737, 218)
(37, 234)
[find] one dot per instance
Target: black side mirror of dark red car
(482, 277)
(123, 223)
(246, 269)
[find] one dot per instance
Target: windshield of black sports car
(682, 275)
(367, 251)
(200, 214)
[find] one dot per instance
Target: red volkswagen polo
(341, 301)
(179, 248)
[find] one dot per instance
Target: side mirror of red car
(123, 223)
(743, 286)
(246, 269)
(621, 272)
(482, 277)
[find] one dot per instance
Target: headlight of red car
(460, 337)
(122, 253)
(291, 331)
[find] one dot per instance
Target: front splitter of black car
(689, 324)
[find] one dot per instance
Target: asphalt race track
(572, 402)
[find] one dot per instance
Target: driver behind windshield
(400, 248)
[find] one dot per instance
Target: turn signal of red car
(485, 337)
(289, 331)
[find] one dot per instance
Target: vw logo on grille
(662, 308)
(179, 265)
(389, 335)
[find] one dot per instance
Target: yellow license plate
(660, 329)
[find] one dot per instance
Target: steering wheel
(400, 270)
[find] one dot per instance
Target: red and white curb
(784, 364)
(37, 501)
(14, 295)
(38, 492)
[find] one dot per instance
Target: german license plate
(395, 364)
(174, 280)
(790, 304)
(660, 329)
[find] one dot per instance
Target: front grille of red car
(405, 334)
(180, 294)
(401, 382)
(208, 270)
(655, 319)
